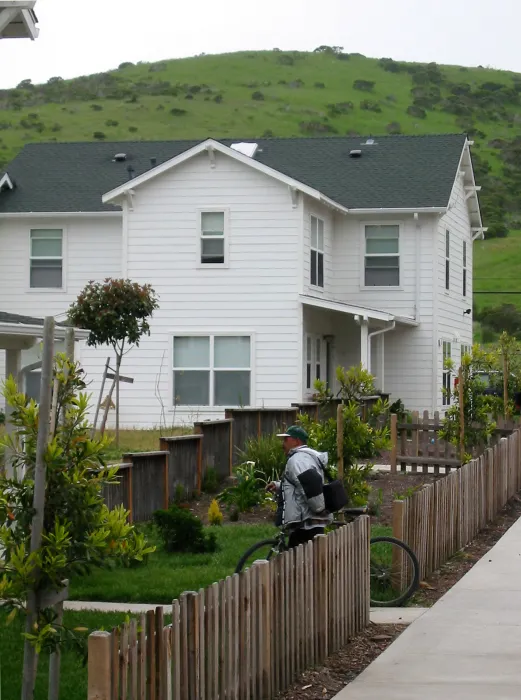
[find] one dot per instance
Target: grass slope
(497, 263)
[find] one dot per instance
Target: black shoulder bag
(335, 495)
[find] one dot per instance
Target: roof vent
(153, 161)
(247, 149)
(355, 153)
(120, 157)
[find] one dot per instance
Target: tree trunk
(115, 381)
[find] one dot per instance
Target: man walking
(301, 507)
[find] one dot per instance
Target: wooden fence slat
(124, 661)
(183, 646)
(235, 636)
(244, 635)
(160, 675)
(193, 648)
(176, 650)
(203, 612)
(142, 657)
(167, 663)
(133, 659)
(151, 656)
(115, 663)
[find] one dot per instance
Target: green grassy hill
(277, 93)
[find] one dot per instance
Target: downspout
(418, 268)
(380, 331)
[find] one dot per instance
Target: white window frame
(446, 243)
(363, 256)
(319, 252)
(211, 334)
(446, 381)
(315, 364)
(51, 227)
(465, 349)
(199, 228)
(464, 261)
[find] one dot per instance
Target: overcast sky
(77, 38)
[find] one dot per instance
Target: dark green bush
(415, 111)
(497, 231)
(211, 481)
(177, 112)
(267, 454)
(248, 491)
(370, 106)
(181, 531)
(393, 128)
(99, 135)
(285, 59)
(365, 85)
(96, 108)
(257, 95)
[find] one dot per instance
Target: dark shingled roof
(396, 172)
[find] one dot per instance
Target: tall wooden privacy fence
(418, 444)
(445, 516)
(244, 638)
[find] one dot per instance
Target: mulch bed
(344, 666)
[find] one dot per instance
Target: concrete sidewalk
(466, 647)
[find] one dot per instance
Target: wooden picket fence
(417, 443)
(247, 637)
(443, 517)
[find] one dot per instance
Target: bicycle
(388, 589)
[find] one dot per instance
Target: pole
(461, 399)
(44, 413)
(505, 383)
(100, 398)
(118, 366)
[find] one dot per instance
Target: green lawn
(496, 267)
(166, 576)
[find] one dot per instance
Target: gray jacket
(300, 491)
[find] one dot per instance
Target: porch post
(382, 360)
(13, 365)
(364, 344)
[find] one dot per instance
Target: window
(317, 252)
(464, 268)
(213, 237)
(465, 350)
(447, 259)
(46, 258)
(212, 370)
(447, 375)
(314, 359)
(382, 259)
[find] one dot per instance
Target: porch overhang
(362, 312)
(18, 20)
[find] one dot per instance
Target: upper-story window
(447, 259)
(317, 252)
(213, 237)
(382, 255)
(46, 258)
(464, 268)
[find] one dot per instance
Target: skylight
(247, 149)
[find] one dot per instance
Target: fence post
(165, 481)
(398, 533)
(99, 671)
(130, 493)
(193, 612)
(394, 441)
(461, 417)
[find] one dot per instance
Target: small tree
(116, 313)
(79, 531)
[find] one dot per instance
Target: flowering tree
(116, 313)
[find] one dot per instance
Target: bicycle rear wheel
(394, 570)
(260, 550)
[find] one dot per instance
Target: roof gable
(396, 172)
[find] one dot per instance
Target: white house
(274, 261)
(17, 19)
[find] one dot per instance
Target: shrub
(257, 95)
(321, 86)
(181, 531)
(393, 128)
(99, 135)
(211, 481)
(177, 112)
(296, 83)
(370, 106)
(215, 517)
(268, 134)
(132, 129)
(365, 85)
(338, 108)
(267, 454)
(248, 490)
(506, 317)
(285, 59)
(111, 122)
(125, 64)
(497, 231)
(316, 127)
(56, 127)
(96, 108)
(218, 99)
(417, 112)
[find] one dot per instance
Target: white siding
(257, 293)
(453, 325)
(92, 251)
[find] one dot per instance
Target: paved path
(466, 647)
(383, 616)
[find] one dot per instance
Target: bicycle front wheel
(260, 550)
(395, 572)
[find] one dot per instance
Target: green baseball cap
(295, 431)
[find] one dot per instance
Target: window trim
(313, 340)
(447, 245)
(51, 226)
(446, 375)
(401, 229)
(211, 333)
(199, 232)
(464, 268)
(317, 250)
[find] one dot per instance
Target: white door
(315, 361)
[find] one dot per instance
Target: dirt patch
(392, 486)
(450, 573)
(258, 516)
(344, 666)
